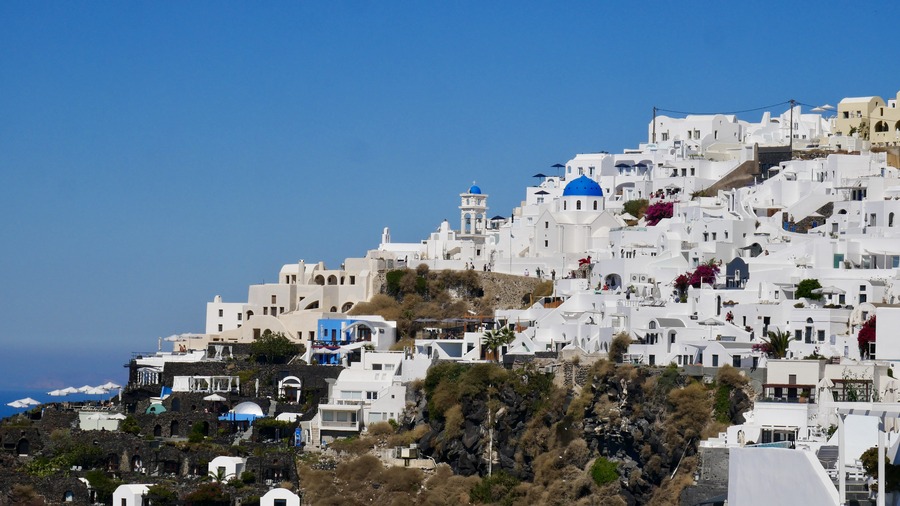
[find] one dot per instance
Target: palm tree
(778, 343)
(493, 340)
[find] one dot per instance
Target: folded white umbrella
(109, 385)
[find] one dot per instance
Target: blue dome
(475, 190)
(583, 187)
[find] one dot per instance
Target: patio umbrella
(109, 385)
(539, 175)
(829, 290)
(214, 398)
(17, 404)
(28, 401)
(627, 216)
(69, 390)
(57, 393)
(84, 389)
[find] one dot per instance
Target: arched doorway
(173, 428)
(320, 279)
(176, 404)
(612, 281)
(157, 430)
(136, 463)
(23, 448)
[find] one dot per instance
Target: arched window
(652, 325)
(564, 205)
(595, 205)
(891, 219)
(173, 428)
(578, 205)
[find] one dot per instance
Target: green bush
(604, 471)
(493, 489)
(130, 425)
(248, 477)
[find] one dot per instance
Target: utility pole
(654, 125)
(791, 137)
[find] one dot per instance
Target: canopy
(57, 393)
(828, 290)
(109, 385)
(214, 397)
(155, 409)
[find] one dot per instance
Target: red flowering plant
(658, 211)
(705, 273)
(866, 335)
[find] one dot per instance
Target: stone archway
(23, 447)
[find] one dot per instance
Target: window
(273, 299)
(693, 171)
(220, 327)
(280, 502)
(564, 205)
(240, 315)
(792, 379)
(371, 396)
(665, 136)
(821, 335)
(546, 244)
(578, 205)
(595, 205)
(715, 361)
(221, 313)
(265, 310)
(546, 224)
(714, 236)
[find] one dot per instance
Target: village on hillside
(677, 323)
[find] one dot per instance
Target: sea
(7, 396)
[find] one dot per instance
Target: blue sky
(156, 154)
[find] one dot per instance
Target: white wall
(777, 476)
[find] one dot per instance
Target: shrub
(805, 289)
(619, 346)
(659, 211)
(866, 335)
(636, 208)
(869, 460)
(159, 495)
(378, 429)
(604, 471)
(130, 425)
(248, 477)
(731, 377)
(493, 489)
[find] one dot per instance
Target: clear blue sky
(155, 154)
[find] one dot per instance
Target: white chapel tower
(472, 211)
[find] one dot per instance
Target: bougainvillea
(866, 335)
(705, 273)
(658, 211)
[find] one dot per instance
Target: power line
(724, 112)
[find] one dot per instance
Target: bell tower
(472, 211)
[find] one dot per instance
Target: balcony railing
(339, 425)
